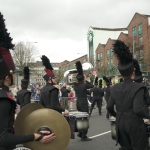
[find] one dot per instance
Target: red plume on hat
(6, 62)
(48, 68)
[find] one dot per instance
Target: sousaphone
(34, 117)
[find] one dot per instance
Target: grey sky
(60, 26)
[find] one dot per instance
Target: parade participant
(65, 91)
(107, 91)
(128, 98)
(8, 140)
(23, 95)
(98, 93)
(81, 94)
(49, 93)
(139, 78)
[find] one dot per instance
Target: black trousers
(132, 134)
(83, 134)
(99, 104)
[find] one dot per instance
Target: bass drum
(113, 127)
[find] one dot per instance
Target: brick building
(68, 65)
(138, 40)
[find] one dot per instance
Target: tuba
(70, 75)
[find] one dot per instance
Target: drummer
(8, 140)
(49, 93)
(81, 94)
(128, 98)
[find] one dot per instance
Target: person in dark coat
(9, 140)
(23, 95)
(98, 93)
(107, 91)
(128, 97)
(81, 94)
(49, 93)
(139, 79)
(64, 96)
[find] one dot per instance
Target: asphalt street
(100, 133)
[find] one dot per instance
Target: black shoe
(86, 139)
(79, 135)
(100, 114)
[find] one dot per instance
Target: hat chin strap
(11, 79)
(51, 80)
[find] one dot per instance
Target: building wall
(66, 65)
(101, 35)
(128, 39)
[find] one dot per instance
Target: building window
(134, 31)
(112, 62)
(108, 63)
(108, 53)
(100, 63)
(101, 55)
(140, 40)
(141, 54)
(140, 29)
(111, 52)
(98, 56)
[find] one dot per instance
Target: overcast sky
(60, 26)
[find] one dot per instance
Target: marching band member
(139, 78)
(107, 91)
(49, 93)
(81, 94)
(128, 98)
(8, 140)
(23, 95)
(97, 97)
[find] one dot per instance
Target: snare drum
(147, 123)
(113, 127)
(78, 121)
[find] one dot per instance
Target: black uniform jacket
(23, 97)
(65, 92)
(128, 97)
(97, 93)
(81, 94)
(8, 139)
(49, 98)
(107, 93)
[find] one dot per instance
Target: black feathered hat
(100, 83)
(96, 81)
(6, 62)
(80, 76)
(124, 56)
(107, 80)
(138, 74)
(48, 68)
(26, 71)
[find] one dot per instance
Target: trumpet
(70, 75)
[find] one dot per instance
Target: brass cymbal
(54, 121)
(24, 112)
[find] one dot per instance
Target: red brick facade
(138, 44)
(67, 65)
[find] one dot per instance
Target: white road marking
(100, 134)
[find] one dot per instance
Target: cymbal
(24, 112)
(56, 122)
